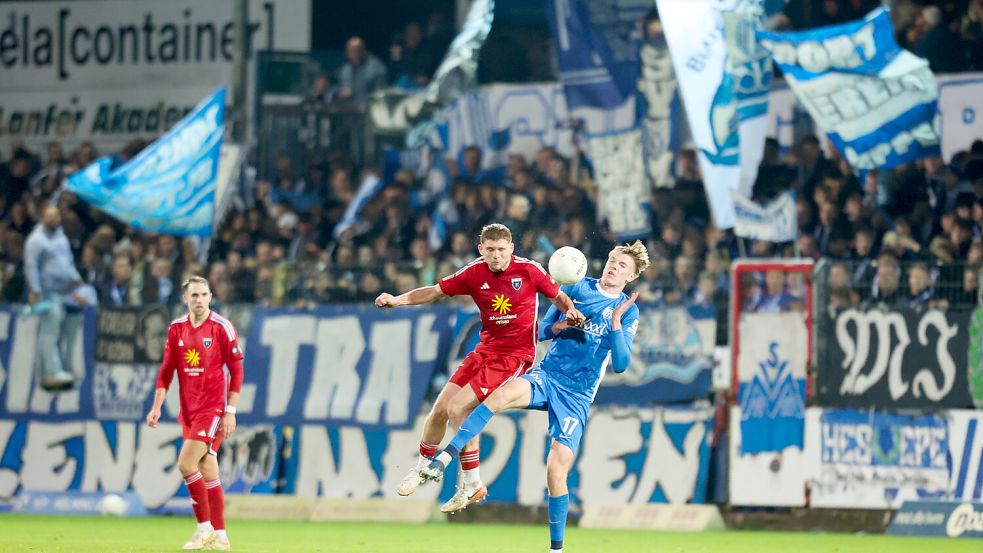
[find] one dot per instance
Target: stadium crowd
(908, 236)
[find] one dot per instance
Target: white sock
(222, 534)
(207, 525)
(471, 478)
(556, 551)
(422, 462)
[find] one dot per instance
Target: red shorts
(204, 427)
(485, 372)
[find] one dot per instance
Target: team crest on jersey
(207, 342)
(516, 283)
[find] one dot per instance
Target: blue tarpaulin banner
(169, 187)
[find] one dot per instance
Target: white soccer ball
(112, 505)
(568, 265)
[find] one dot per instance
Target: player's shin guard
(195, 483)
(216, 503)
(557, 507)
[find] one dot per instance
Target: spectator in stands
(119, 290)
(410, 60)
(13, 280)
(322, 92)
(886, 292)
(57, 295)
(776, 297)
(361, 75)
(940, 43)
(919, 286)
(160, 275)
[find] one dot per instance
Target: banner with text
(966, 452)
(641, 456)
(343, 364)
(775, 222)
(872, 460)
(169, 187)
(108, 71)
(876, 102)
(898, 358)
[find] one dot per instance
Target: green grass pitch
(36, 534)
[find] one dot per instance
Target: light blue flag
(876, 102)
(169, 187)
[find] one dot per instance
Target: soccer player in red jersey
(203, 348)
(504, 287)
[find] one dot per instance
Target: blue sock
(471, 427)
(558, 519)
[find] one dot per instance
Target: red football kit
(509, 307)
(208, 362)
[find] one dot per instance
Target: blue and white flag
(724, 88)
(775, 222)
(596, 49)
(371, 185)
(876, 102)
(169, 187)
(771, 373)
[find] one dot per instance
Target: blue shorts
(567, 412)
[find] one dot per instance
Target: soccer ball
(112, 505)
(568, 265)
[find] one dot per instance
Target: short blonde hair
(195, 280)
(494, 231)
(638, 253)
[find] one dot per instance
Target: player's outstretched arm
(418, 296)
(563, 302)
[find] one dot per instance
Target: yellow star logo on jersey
(192, 358)
(501, 304)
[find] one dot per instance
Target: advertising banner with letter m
(876, 101)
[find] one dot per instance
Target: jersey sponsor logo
(484, 286)
(590, 327)
(207, 342)
(517, 283)
(501, 304)
(192, 357)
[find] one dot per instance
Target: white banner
(767, 428)
(966, 452)
(960, 118)
(111, 70)
(875, 460)
(774, 479)
(775, 222)
(622, 189)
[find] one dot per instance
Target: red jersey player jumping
(203, 348)
(504, 287)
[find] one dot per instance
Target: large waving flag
(596, 50)
(169, 187)
(876, 102)
(724, 78)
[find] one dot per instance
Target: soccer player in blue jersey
(565, 382)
